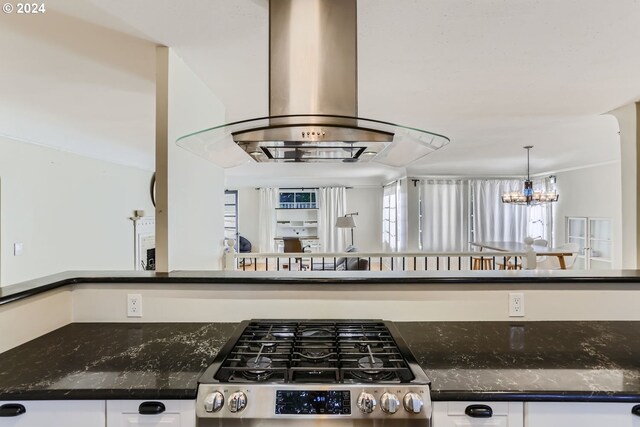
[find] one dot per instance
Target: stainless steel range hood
(313, 99)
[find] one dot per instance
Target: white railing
(379, 261)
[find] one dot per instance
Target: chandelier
(529, 196)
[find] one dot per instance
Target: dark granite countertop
(523, 278)
(595, 361)
(574, 361)
(112, 361)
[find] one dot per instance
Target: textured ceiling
(493, 75)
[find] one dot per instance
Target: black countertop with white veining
(574, 361)
(528, 360)
(112, 361)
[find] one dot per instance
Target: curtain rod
(299, 188)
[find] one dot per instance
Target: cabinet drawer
(126, 413)
(55, 413)
(469, 414)
(583, 414)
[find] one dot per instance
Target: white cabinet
(557, 414)
(469, 414)
(126, 413)
(53, 413)
(593, 235)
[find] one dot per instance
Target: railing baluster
(393, 261)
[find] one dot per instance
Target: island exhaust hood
(313, 99)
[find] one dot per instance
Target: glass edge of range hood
(217, 145)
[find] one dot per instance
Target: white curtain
(494, 221)
(267, 219)
(332, 203)
(445, 215)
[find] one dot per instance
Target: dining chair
(540, 242)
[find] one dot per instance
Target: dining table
(521, 247)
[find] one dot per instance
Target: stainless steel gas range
(317, 372)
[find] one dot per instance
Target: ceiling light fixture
(529, 196)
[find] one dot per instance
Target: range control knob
(389, 403)
(366, 402)
(237, 401)
(213, 402)
(413, 403)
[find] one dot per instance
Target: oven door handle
(479, 411)
(151, 408)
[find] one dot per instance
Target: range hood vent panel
(313, 99)
(217, 144)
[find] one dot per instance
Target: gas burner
(258, 368)
(315, 354)
(363, 346)
(373, 364)
(268, 343)
(316, 333)
(371, 370)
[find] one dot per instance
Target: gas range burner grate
(316, 352)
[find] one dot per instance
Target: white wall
(195, 223)
(69, 211)
(591, 192)
(367, 201)
(397, 302)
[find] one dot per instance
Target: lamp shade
(345, 222)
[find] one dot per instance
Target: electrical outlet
(134, 305)
(516, 304)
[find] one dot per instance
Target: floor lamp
(347, 221)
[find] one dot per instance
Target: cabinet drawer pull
(479, 411)
(12, 410)
(151, 408)
(636, 410)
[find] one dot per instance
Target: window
(231, 215)
(297, 199)
(390, 218)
